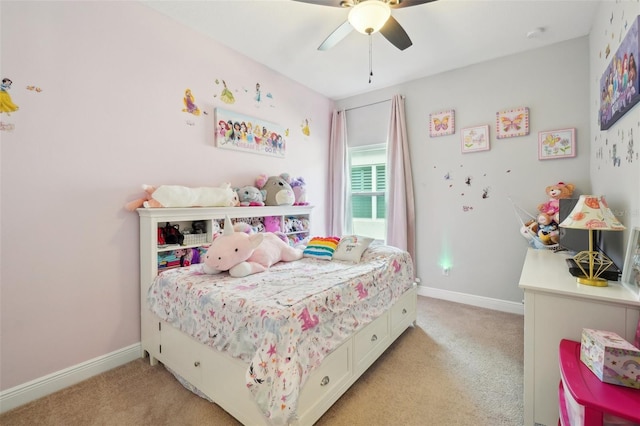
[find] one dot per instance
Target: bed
(278, 347)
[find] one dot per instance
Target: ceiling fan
(369, 17)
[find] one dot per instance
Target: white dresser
(556, 307)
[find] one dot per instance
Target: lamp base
(596, 282)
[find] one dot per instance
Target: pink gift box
(611, 358)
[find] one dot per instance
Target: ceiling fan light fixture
(368, 17)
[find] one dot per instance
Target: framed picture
(556, 144)
(631, 269)
(619, 83)
(240, 132)
(512, 122)
(475, 139)
(442, 123)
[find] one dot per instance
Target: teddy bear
(277, 190)
(245, 254)
(555, 193)
(182, 196)
(250, 196)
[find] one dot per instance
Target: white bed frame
(221, 377)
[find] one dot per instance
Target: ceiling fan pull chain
(370, 62)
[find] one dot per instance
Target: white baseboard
(470, 299)
(43, 386)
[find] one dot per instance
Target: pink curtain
(400, 201)
(339, 183)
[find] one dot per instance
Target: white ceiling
(446, 34)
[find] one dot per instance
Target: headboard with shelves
(152, 219)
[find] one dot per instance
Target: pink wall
(109, 118)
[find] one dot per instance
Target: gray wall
(479, 236)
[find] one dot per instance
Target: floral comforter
(284, 321)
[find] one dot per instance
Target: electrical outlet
(445, 272)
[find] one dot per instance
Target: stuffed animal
(182, 196)
(299, 187)
(272, 224)
(277, 190)
(548, 232)
(250, 196)
(555, 193)
(244, 254)
(529, 230)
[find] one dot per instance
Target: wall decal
(34, 89)
(248, 134)
(305, 127)
(7, 127)
(258, 95)
(512, 122)
(442, 123)
(6, 104)
(226, 96)
(189, 103)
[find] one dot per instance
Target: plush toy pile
(543, 232)
(279, 190)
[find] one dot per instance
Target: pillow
(321, 247)
(351, 248)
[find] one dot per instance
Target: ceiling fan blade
(394, 32)
(407, 3)
(334, 3)
(336, 36)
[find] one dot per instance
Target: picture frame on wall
(442, 123)
(243, 133)
(512, 122)
(556, 144)
(475, 139)
(620, 81)
(631, 268)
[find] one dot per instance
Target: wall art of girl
(6, 104)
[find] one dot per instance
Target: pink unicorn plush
(244, 254)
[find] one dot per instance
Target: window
(368, 186)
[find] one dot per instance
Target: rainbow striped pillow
(321, 247)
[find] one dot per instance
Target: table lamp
(591, 212)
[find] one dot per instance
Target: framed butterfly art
(556, 144)
(511, 123)
(442, 123)
(475, 139)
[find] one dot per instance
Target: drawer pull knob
(325, 381)
(374, 338)
(196, 364)
(404, 311)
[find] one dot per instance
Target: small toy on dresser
(551, 208)
(611, 358)
(182, 196)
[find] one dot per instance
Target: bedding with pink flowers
(284, 321)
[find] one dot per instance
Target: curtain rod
(371, 104)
